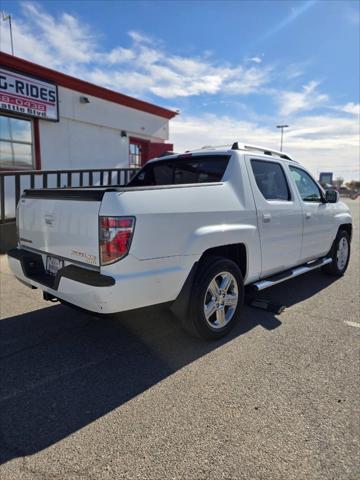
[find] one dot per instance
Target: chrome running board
(288, 274)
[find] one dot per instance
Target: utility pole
(282, 134)
(4, 19)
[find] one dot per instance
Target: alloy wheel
(221, 299)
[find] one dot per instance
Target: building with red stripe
(50, 120)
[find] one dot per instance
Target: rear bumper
(137, 284)
(33, 268)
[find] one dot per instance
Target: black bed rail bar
(13, 182)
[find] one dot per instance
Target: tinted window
(270, 179)
(197, 169)
(308, 189)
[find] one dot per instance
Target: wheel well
(347, 227)
(235, 252)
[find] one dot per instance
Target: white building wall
(88, 135)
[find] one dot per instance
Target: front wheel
(340, 254)
(216, 299)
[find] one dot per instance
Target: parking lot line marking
(352, 324)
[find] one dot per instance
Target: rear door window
(196, 169)
(270, 179)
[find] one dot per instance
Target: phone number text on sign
(21, 102)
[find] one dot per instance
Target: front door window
(309, 191)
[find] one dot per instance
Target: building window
(134, 155)
(16, 143)
(138, 152)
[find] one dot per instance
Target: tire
(340, 254)
(221, 300)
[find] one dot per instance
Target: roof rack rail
(207, 147)
(167, 154)
(266, 151)
(242, 146)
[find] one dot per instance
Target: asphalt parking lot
(136, 398)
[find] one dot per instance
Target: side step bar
(288, 274)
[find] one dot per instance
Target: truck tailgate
(62, 223)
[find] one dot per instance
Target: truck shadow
(61, 369)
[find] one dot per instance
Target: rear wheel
(340, 254)
(216, 299)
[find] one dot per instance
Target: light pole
(282, 134)
(4, 19)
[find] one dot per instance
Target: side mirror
(331, 196)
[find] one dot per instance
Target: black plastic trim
(83, 194)
(180, 305)
(33, 268)
(89, 277)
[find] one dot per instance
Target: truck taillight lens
(115, 238)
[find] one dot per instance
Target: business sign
(326, 178)
(28, 95)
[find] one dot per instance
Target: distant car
(189, 230)
(344, 191)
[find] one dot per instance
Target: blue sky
(234, 69)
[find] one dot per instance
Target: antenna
(4, 18)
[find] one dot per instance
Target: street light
(282, 134)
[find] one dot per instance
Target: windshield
(194, 169)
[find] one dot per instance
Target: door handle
(266, 217)
(307, 214)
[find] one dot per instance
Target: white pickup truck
(191, 230)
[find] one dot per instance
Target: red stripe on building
(37, 150)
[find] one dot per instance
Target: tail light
(115, 238)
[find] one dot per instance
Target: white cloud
(139, 37)
(321, 143)
(71, 39)
(352, 108)
(67, 44)
(256, 59)
(189, 66)
(307, 99)
(146, 57)
(174, 76)
(58, 43)
(119, 55)
(296, 70)
(242, 81)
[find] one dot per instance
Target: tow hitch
(50, 298)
